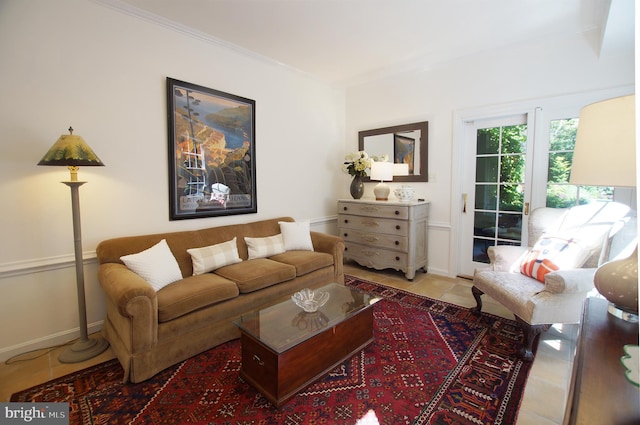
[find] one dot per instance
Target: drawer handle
(397, 212)
(397, 227)
(258, 360)
(346, 221)
(345, 208)
(397, 243)
(397, 258)
(346, 234)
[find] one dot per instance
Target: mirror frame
(423, 127)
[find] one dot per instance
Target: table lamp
(605, 155)
(381, 171)
(72, 151)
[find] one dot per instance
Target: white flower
(356, 163)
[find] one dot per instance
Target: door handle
(464, 202)
(526, 208)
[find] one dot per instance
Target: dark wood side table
(600, 393)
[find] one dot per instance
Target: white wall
(545, 68)
(76, 62)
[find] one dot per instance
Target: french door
(496, 191)
(515, 159)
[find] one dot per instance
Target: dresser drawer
(373, 210)
(374, 224)
(394, 242)
(378, 258)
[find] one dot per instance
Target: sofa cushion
(304, 261)
(156, 265)
(258, 273)
(213, 257)
(193, 293)
(264, 247)
(296, 235)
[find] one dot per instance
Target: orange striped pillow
(552, 253)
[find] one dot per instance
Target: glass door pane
(499, 188)
(561, 194)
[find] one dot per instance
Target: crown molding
(128, 9)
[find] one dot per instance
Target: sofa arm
(334, 245)
(506, 258)
(569, 281)
(132, 305)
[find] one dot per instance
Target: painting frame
(211, 146)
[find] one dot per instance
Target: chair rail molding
(39, 265)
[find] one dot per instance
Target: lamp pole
(85, 348)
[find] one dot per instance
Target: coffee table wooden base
(279, 377)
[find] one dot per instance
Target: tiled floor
(545, 395)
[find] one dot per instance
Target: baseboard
(53, 340)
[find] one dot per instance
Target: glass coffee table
(285, 349)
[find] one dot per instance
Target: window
(561, 194)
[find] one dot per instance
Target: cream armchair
(559, 299)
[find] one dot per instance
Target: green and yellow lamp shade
(71, 151)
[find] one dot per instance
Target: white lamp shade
(605, 150)
(382, 171)
(400, 169)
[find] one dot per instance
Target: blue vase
(357, 187)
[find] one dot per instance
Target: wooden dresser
(385, 234)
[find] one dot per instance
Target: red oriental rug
(431, 363)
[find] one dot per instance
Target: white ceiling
(349, 41)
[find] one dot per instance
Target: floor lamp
(605, 155)
(72, 151)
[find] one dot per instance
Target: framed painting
(212, 161)
(404, 149)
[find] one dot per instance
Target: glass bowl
(310, 300)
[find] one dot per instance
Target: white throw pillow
(265, 247)
(296, 235)
(156, 265)
(213, 257)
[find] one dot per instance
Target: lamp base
(381, 191)
(83, 350)
(617, 281)
(622, 314)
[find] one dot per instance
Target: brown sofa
(150, 331)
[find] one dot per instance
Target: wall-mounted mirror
(408, 143)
